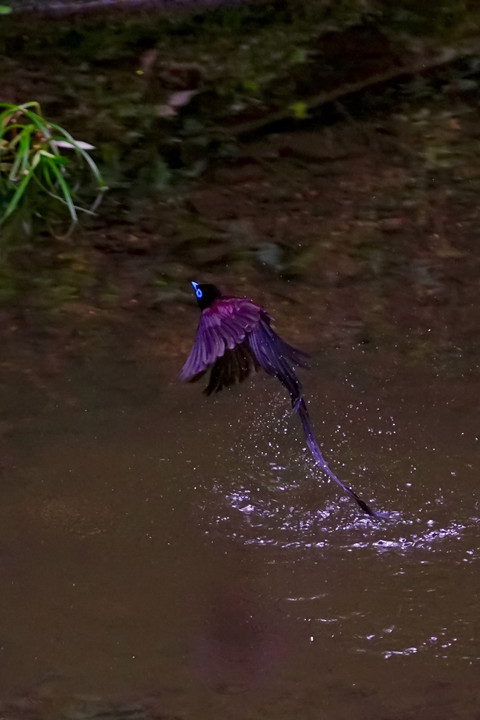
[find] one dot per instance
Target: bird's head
(206, 294)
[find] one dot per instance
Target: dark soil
(361, 228)
(345, 234)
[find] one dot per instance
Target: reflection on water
(183, 554)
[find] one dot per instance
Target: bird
(234, 338)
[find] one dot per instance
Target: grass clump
(42, 172)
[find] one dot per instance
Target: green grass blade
(84, 154)
(47, 176)
(4, 124)
(8, 109)
(64, 187)
(39, 122)
(31, 103)
(50, 192)
(11, 126)
(60, 199)
(17, 196)
(30, 153)
(22, 154)
(11, 110)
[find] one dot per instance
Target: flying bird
(234, 337)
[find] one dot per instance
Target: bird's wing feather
(234, 366)
(277, 357)
(222, 326)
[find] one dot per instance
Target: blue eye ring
(198, 292)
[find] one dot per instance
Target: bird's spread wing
(222, 327)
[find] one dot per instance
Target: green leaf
(5, 9)
(251, 85)
(300, 55)
(299, 109)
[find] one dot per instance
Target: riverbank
(356, 224)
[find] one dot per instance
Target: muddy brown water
(156, 543)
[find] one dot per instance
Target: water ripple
(281, 514)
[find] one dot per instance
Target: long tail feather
(278, 359)
(321, 462)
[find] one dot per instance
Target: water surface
(155, 543)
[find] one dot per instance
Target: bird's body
(235, 336)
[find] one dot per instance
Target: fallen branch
(66, 8)
(420, 67)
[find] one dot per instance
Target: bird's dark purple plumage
(222, 327)
(235, 335)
